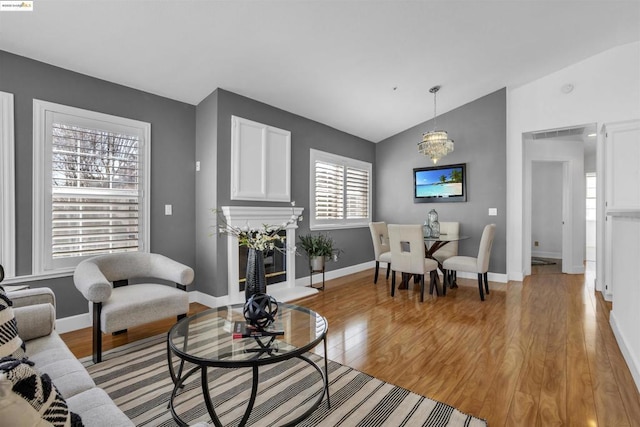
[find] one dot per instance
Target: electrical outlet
(536, 243)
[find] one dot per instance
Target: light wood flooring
(535, 353)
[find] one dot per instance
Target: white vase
(316, 263)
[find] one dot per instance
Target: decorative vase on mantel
(255, 279)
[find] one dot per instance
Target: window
(91, 186)
(7, 186)
(340, 195)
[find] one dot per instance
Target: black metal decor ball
(260, 310)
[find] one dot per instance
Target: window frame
(42, 259)
(7, 185)
(346, 162)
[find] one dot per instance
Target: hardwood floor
(535, 353)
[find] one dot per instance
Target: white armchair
(117, 306)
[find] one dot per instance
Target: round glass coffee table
(206, 340)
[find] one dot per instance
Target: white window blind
(340, 191)
(91, 181)
(95, 191)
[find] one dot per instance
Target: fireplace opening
(275, 264)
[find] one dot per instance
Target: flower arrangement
(263, 238)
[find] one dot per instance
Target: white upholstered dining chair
(380, 238)
(479, 264)
(451, 248)
(408, 255)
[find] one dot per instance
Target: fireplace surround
(254, 217)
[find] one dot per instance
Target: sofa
(34, 311)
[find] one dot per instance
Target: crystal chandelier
(435, 144)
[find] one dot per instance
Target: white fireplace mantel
(255, 217)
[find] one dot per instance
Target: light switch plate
(493, 211)
(168, 210)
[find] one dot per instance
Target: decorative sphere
(260, 310)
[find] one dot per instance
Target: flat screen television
(440, 184)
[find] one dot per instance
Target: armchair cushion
(135, 305)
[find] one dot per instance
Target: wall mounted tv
(440, 184)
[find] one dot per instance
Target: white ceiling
(336, 62)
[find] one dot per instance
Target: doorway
(546, 216)
(566, 147)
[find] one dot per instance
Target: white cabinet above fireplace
(260, 161)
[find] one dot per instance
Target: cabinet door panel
(260, 162)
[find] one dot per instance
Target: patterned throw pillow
(30, 399)
(10, 342)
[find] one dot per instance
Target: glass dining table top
(206, 338)
(446, 238)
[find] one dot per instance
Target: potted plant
(319, 248)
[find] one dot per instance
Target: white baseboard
(302, 289)
(543, 254)
(629, 357)
(73, 323)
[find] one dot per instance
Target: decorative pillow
(10, 342)
(30, 399)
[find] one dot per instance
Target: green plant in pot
(318, 248)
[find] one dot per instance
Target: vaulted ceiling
(364, 67)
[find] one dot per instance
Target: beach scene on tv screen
(439, 183)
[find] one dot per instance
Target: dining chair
(380, 238)
(451, 248)
(479, 264)
(408, 256)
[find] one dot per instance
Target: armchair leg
(422, 287)
(486, 283)
(375, 275)
(97, 333)
(388, 269)
(181, 316)
(480, 286)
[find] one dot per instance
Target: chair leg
(181, 316)
(375, 275)
(422, 288)
(97, 333)
(388, 269)
(445, 282)
(393, 283)
(480, 286)
(486, 283)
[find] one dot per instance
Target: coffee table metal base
(179, 381)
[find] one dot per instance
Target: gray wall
(305, 134)
(479, 132)
(172, 154)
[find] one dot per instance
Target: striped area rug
(137, 379)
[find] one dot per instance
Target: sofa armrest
(35, 321)
(34, 296)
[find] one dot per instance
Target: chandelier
(435, 144)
